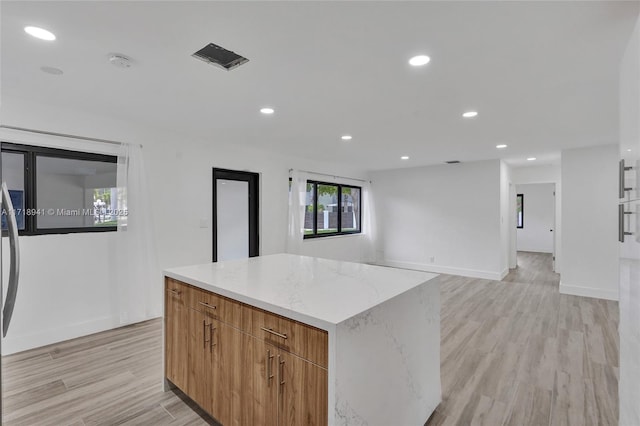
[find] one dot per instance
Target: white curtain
(138, 279)
(369, 226)
(297, 206)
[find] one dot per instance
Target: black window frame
(31, 152)
(339, 224)
(520, 225)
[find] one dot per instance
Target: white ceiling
(543, 75)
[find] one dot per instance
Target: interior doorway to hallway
(536, 218)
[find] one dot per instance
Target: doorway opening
(235, 214)
(536, 219)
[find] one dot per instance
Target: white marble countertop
(319, 292)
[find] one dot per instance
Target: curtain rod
(334, 176)
(64, 135)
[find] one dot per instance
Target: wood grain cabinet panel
(243, 365)
(300, 339)
(305, 341)
(175, 325)
(221, 308)
(258, 383)
(227, 364)
(302, 392)
(200, 358)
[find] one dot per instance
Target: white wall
(536, 174)
(545, 174)
(66, 289)
(539, 211)
(506, 220)
(589, 222)
(443, 218)
(513, 250)
(60, 281)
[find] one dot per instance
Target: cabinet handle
(621, 188)
(269, 368)
(207, 305)
(204, 334)
(211, 339)
(268, 330)
(621, 231)
(174, 291)
(281, 372)
(621, 219)
(621, 181)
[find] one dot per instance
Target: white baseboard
(473, 273)
(596, 293)
(536, 250)
(504, 274)
(43, 337)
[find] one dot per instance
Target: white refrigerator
(629, 328)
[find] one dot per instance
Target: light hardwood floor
(514, 352)
(517, 352)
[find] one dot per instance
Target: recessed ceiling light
(420, 60)
(629, 150)
(52, 70)
(404, 157)
(267, 110)
(346, 137)
(501, 146)
(531, 159)
(470, 114)
(40, 33)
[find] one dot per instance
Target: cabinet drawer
(216, 306)
(177, 291)
(300, 339)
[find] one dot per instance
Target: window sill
(330, 237)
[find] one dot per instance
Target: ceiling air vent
(220, 56)
(453, 162)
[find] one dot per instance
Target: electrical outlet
(432, 259)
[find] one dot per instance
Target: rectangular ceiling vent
(453, 162)
(219, 56)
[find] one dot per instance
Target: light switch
(203, 223)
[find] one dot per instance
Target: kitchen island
(294, 340)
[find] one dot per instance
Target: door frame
(556, 213)
(253, 179)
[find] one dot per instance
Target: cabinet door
(176, 325)
(258, 383)
(200, 360)
(227, 374)
(302, 392)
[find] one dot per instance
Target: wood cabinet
(302, 391)
(258, 383)
(175, 324)
(292, 336)
(244, 365)
(199, 351)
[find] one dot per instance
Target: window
(332, 209)
(520, 210)
(58, 191)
